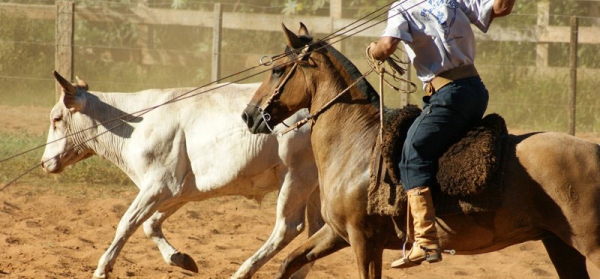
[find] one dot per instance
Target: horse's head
(64, 146)
(287, 88)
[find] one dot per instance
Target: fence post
(216, 51)
(144, 41)
(543, 21)
(335, 13)
(573, 74)
(63, 58)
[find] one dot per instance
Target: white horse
(189, 150)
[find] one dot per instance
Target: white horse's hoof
(100, 274)
(184, 261)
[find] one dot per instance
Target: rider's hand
(372, 46)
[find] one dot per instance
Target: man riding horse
(441, 45)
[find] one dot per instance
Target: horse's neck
(114, 116)
(344, 134)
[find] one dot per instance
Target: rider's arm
(384, 47)
(397, 29)
(502, 8)
(482, 12)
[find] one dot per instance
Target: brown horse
(551, 180)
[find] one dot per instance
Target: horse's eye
(278, 71)
(57, 119)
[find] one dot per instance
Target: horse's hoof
(95, 276)
(184, 261)
(189, 264)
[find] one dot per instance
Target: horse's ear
(71, 100)
(65, 84)
(82, 83)
(292, 39)
(303, 31)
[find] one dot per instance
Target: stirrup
(431, 256)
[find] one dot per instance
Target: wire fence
(527, 78)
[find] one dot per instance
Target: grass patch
(93, 172)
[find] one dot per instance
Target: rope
(392, 62)
(309, 117)
(185, 95)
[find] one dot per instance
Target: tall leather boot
(426, 246)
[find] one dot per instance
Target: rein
(392, 61)
(376, 66)
(277, 91)
(313, 116)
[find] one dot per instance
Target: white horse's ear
(82, 83)
(73, 101)
(292, 39)
(303, 31)
(66, 85)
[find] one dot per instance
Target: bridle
(277, 91)
(377, 67)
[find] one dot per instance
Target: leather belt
(443, 78)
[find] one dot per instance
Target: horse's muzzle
(253, 118)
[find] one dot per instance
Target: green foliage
(587, 55)
(562, 10)
(26, 50)
(292, 7)
(359, 8)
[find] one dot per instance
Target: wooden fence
(142, 16)
(65, 14)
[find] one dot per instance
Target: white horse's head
(66, 144)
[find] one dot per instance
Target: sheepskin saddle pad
(469, 173)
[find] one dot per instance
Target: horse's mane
(363, 86)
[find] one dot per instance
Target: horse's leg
(368, 253)
(313, 212)
(153, 229)
(148, 200)
(568, 262)
(321, 244)
(289, 223)
(315, 223)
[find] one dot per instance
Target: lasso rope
(189, 95)
(393, 62)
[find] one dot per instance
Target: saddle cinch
(469, 174)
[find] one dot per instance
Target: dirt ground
(50, 232)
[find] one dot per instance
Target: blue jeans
(447, 115)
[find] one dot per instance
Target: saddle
(469, 173)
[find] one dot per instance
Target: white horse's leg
(153, 229)
(289, 223)
(315, 223)
(144, 205)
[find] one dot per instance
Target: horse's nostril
(247, 119)
(42, 163)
